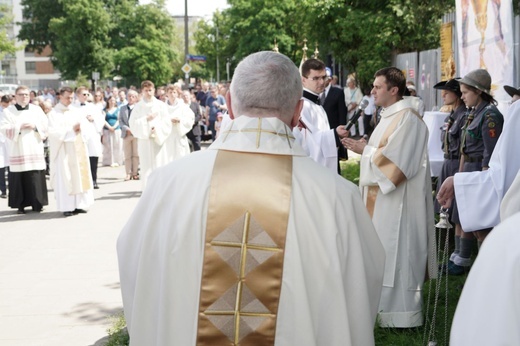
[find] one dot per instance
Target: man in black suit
(333, 101)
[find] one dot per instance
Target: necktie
(465, 130)
(322, 98)
(446, 135)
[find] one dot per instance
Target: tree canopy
(114, 37)
(7, 44)
(361, 34)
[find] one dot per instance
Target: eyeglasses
(26, 95)
(315, 79)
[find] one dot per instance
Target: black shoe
(79, 211)
(67, 213)
(3, 195)
(38, 210)
(20, 211)
(96, 186)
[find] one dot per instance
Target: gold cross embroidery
(243, 246)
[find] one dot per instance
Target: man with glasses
(70, 167)
(314, 132)
(93, 132)
(25, 126)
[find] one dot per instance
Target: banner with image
(485, 40)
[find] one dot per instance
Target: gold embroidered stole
(389, 169)
(246, 228)
(83, 164)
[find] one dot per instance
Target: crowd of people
(63, 134)
(281, 249)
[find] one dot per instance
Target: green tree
(251, 26)
(364, 35)
(7, 44)
(81, 43)
(37, 15)
(145, 44)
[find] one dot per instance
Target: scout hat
(512, 91)
(478, 79)
(450, 85)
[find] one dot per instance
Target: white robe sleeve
(405, 149)
(490, 297)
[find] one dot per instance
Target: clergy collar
(309, 95)
(20, 108)
(396, 107)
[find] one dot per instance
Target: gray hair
(266, 84)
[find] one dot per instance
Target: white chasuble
(310, 260)
(396, 186)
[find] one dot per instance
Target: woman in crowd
(112, 145)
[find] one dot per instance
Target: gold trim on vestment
(248, 213)
(83, 163)
(259, 131)
(385, 165)
(372, 193)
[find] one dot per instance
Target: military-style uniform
(451, 137)
(482, 128)
(480, 136)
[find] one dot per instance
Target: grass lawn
(441, 313)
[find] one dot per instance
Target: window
(30, 67)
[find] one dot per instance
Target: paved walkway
(59, 280)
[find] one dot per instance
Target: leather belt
(472, 159)
(451, 156)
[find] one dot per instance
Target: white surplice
(176, 145)
(25, 145)
(479, 193)
(150, 143)
(94, 131)
(65, 166)
(403, 214)
(333, 262)
(318, 139)
(488, 311)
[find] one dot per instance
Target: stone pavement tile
(59, 280)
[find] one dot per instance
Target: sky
(200, 8)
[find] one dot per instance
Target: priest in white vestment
(69, 161)
(251, 242)
(480, 193)
(25, 127)
(313, 132)
(151, 124)
(93, 132)
(182, 118)
(396, 186)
